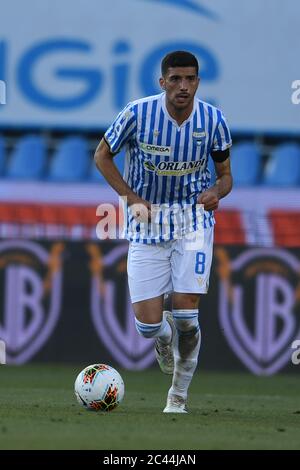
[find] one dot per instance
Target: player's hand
(210, 199)
(140, 209)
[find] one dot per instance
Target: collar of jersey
(164, 107)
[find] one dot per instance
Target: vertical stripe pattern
(166, 164)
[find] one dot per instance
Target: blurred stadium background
(69, 67)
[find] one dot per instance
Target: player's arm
(210, 198)
(223, 172)
(104, 160)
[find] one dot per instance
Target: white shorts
(154, 270)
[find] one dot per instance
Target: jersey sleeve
(222, 138)
(121, 130)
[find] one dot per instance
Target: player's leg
(152, 322)
(190, 273)
(186, 347)
(149, 277)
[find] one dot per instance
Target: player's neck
(179, 115)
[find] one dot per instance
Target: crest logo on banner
(259, 306)
(31, 281)
(111, 309)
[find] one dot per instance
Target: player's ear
(162, 83)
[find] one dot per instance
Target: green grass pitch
(227, 411)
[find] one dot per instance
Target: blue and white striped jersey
(166, 164)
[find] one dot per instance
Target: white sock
(165, 332)
(161, 330)
(186, 350)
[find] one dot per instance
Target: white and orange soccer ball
(99, 387)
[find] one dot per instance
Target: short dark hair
(179, 59)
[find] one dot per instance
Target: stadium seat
(120, 161)
(286, 227)
(70, 162)
(96, 177)
(49, 214)
(2, 155)
(89, 216)
(70, 215)
(246, 164)
(27, 213)
(27, 161)
(229, 228)
(8, 213)
(283, 168)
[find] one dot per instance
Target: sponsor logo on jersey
(174, 168)
(199, 136)
(156, 149)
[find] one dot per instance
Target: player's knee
(147, 330)
(187, 326)
(189, 301)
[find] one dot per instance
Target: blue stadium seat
(96, 177)
(283, 167)
(70, 162)
(2, 155)
(246, 164)
(120, 161)
(28, 159)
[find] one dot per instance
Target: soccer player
(168, 139)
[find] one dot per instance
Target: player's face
(180, 85)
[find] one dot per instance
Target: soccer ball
(99, 387)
